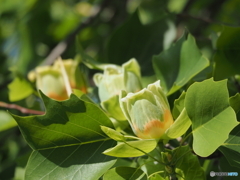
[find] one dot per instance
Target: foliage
(143, 89)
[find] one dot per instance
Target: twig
(22, 109)
(206, 20)
(62, 46)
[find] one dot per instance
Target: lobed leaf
(67, 140)
(178, 64)
(212, 117)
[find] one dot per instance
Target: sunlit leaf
(180, 63)
(235, 102)
(180, 125)
(132, 148)
(117, 136)
(6, 121)
(178, 105)
(212, 117)
(19, 89)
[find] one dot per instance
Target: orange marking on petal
(57, 97)
(168, 120)
(155, 128)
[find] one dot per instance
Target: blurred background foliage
(30, 29)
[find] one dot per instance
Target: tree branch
(62, 46)
(22, 109)
(185, 15)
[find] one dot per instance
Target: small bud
(147, 111)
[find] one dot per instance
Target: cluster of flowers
(120, 91)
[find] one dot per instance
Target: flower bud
(147, 111)
(50, 79)
(75, 76)
(112, 81)
(115, 78)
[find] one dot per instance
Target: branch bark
(21, 109)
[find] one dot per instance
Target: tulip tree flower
(147, 111)
(112, 81)
(50, 79)
(75, 76)
(50, 82)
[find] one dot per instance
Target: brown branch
(62, 46)
(206, 20)
(22, 109)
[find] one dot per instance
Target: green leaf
(19, 89)
(227, 53)
(235, 102)
(81, 95)
(149, 165)
(226, 167)
(113, 134)
(212, 117)
(157, 177)
(180, 63)
(231, 147)
(125, 162)
(166, 64)
(88, 60)
(6, 121)
(178, 105)
(186, 164)
(136, 41)
(68, 138)
(132, 148)
(123, 173)
(191, 62)
(72, 162)
(180, 126)
(112, 106)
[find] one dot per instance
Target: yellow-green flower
(113, 80)
(50, 79)
(147, 111)
(75, 76)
